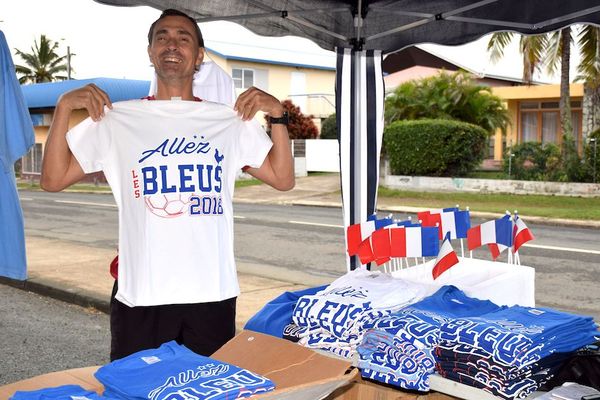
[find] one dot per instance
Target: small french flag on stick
(492, 232)
(522, 234)
(356, 234)
(446, 258)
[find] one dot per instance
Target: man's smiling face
(175, 50)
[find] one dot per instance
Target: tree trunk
(590, 109)
(565, 101)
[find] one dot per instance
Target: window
(550, 127)
(32, 161)
(242, 78)
(41, 119)
(529, 127)
(539, 121)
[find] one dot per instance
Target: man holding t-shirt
(171, 161)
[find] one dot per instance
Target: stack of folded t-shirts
(58, 393)
(511, 352)
(398, 349)
(174, 372)
(332, 319)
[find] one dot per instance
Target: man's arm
(278, 168)
(60, 169)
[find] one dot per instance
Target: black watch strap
(284, 119)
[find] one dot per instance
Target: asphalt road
(567, 262)
(52, 337)
(310, 239)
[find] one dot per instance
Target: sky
(109, 41)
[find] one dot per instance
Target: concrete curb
(50, 289)
(478, 214)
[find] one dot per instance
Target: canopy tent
(362, 30)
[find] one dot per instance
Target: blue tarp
(16, 137)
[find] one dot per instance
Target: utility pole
(69, 55)
(593, 140)
(69, 62)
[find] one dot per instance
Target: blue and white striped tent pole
(359, 94)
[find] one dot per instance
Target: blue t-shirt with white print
(173, 372)
(65, 392)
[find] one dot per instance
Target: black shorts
(202, 327)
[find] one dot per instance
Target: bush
(329, 128)
(434, 147)
(300, 126)
(454, 96)
(535, 162)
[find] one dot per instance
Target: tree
(300, 126)
(448, 96)
(42, 64)
(329, 127)
(531, 47)
(588, 72)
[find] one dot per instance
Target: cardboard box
(83, 377)
(499, 282)
(298, 373)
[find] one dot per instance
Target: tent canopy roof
(387, 25)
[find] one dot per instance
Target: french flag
(492, 232)
(380, 222)
(448, 220)
(446, 258)
(358, 233)
(399, 242)
(414, 241)
(522, 234)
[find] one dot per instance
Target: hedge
(434, 147)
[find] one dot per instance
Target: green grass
(535, 205)
(247, 182)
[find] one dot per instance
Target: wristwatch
(284, 119)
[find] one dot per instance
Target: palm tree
(554, 48)
(549, 50)
(42, 64)
(532, 48)
(588, 71)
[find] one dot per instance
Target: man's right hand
(89, 97)
(59, 167)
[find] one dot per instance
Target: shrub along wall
(434, 147)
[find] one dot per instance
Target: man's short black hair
(172, 12)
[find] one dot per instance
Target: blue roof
(45, 95)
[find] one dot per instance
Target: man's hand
(90, 97)
(254, 100)
(59, 167)
(278, 168)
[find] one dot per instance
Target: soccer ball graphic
(168, 205)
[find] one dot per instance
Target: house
(417, 63)
(41, 99)
(305, 77)
(533, 108)
(535, 115)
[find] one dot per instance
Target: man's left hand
(254, 100)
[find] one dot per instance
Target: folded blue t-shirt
(65, 392)
(174, 372)
(277, 314)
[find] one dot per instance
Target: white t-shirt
(172, 166)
